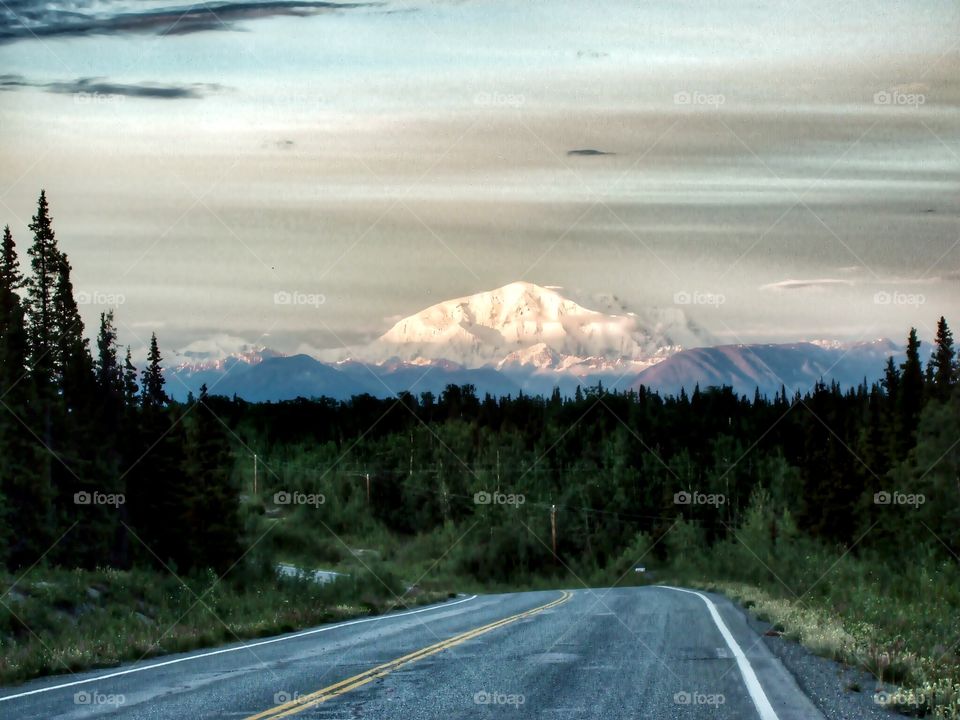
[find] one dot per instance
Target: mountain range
(530, 338)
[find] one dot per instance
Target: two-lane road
(651, 652)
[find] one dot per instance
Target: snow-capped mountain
(523, 324)
(526, 337)
(220, 350)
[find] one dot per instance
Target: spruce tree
(153, 394)
(41, 334)
(72, 362)
(942, 362)
(12, 368)
(212, 510)
(24, 533)
(157, 489)
(910, 395)
(13, 334)
(41, 286)
(891, 380)
(130, 386)
(112, 411)
(110, 378)
(124, 424)
(86, 449)
(11, 279)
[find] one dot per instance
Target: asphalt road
(650, 652)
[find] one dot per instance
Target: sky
(782, 171)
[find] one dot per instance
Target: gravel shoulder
(839, 691)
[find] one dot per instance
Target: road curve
(651, 652)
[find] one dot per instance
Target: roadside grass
(431, 562)
(911, 682)
(55, 621)
(897, 618)
(61, 621)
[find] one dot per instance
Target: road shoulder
(829, 685)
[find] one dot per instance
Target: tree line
(870, 467)
(97, 466)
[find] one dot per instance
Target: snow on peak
(539, 356)
(527, 324)
(881, 344)
(216, 351)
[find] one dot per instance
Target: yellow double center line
(305, 702)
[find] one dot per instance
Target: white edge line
(759, 697)
(238, 648)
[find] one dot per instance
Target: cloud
(25, 19)
(806, 284)
(820, 283)
(12, 82)
(216, 347)
(588, 152)
(103, 87)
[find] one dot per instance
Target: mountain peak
(526, 323)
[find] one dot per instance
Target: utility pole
(553, 527)
(443, 493)
(254, 474)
